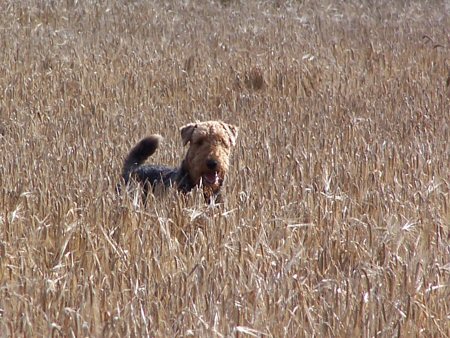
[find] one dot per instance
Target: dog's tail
(140, 152)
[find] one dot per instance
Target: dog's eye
(199, 142)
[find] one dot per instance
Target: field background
(337, 216)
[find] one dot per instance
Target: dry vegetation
(337, 218)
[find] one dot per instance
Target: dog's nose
(211, 164)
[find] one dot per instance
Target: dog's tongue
(211, 178)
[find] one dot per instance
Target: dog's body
(206, 162)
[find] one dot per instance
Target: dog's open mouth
(211, 178)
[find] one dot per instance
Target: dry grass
(337, 219)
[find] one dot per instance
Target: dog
(205, 165)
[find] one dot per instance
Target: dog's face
(208, 156)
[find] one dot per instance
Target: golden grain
(337, 214)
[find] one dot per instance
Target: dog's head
(207, 159)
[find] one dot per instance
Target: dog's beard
(211, 184)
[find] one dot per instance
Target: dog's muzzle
(212, 178)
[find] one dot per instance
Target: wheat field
(337, 213)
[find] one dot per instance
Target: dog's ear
(232, 132)
(187, 131)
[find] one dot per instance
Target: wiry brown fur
(206, 162)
